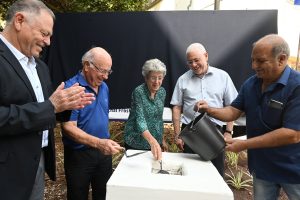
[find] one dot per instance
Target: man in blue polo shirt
(271, 102)
(87, 147)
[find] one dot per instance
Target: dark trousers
(218, 162)
(84, 168)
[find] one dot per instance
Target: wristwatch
(227, 131)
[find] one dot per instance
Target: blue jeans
(265, 190)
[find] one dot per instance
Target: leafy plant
(238, 181)
(232, 158)
(116, 159)
(173, 148)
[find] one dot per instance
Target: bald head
(269, 58)
(196, 47)
(278, 44)
(97, 54)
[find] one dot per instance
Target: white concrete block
(134, 179)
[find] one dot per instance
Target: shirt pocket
(272, 116)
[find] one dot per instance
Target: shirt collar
(20, 56)
(82, 82)
(209, 71)
(283, 80)
(81, 79)
(147, 91)
(284, 76)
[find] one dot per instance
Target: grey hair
(280, 48)
(195, 46)
(32, 7)
(154, 65)
(88, 56)
(279, 45)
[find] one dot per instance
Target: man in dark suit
(27, 104)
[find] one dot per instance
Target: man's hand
(71, 98)
(109, 147)
(227, 136)
(201, 106)
(235, 145)
(179, 142)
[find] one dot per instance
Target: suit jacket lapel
(12, 60)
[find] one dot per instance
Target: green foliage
(63, 6)
(237, 179)
(116, 158)
(232, 158)
(3, 8)
(173, 148)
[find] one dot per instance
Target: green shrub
(232, 158)
(238, 181)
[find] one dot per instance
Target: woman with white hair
(144, 128)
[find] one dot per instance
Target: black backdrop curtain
(134, 37)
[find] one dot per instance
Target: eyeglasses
(190, 62)
(101, 71)
(154, 78)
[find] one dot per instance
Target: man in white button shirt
(201, 82)
(27, 104)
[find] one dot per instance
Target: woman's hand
(155, 149)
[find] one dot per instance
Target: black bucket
(203, 137)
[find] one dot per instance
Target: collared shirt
(29, 66)
(215, 87)
(145, 114)
(93, 118)
(278, 164)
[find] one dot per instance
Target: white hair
(153, 65)
(195, 46)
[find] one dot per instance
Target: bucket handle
(193, 121)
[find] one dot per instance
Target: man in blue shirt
(271, 102)
(87, 147)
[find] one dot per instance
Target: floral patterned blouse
(145, 114)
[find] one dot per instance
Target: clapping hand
(71, 98)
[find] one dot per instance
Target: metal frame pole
(217, 5)
(298, 55)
